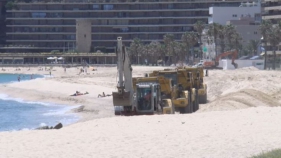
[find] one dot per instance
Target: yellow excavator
(141, 95)
(184, 96)
(198, 82)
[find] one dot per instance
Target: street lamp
(265, 54)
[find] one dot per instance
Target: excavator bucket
(235, 65)
(121, 99)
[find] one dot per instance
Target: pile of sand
(242, 88)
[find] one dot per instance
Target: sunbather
(103, 95)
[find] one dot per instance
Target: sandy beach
(242, 118)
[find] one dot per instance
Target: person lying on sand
(77, 93)
(103, 95)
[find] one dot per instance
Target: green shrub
(270, 154)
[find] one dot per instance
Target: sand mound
(248, 68)
(242, 88)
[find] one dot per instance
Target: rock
(43, 127)
(58, 126)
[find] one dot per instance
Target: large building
(245, 18)
(221, 15)
(2, 22)
(42, 26)
(271, 10)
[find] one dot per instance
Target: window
(255, 32)
(107, 7)
(84, 35)
(234, 15)
(96, 6)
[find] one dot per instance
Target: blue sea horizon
(17, 114)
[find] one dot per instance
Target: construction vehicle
(159, 89)
(214, 64)
(123, 98)
(132, 92)
(198, 82)
(184, 96)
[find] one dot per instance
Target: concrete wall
(226, 64)
(221, 15)
(83, 35)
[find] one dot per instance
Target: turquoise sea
(17, 114)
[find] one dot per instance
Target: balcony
(272, 8)
(267, 17)
(133, 2)
(120, 26)
(98, 11)
(107, 18)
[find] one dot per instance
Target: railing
(121, 1)
(54, 54)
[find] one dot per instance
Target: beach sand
(242, 118)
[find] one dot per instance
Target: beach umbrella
(60, 58)
(50, 58)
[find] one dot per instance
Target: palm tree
(264, 27)
(169, 43)
(213, 33)
(230, 30)
(274, 38)
(136, 47)
(154, 51)
(189, 39)
(199, 27)
(253, 45)
(221, 36)
(236, 40)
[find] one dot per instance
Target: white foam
(62, 111)
(42, 124)
(6, 97)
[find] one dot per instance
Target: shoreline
(244, 105)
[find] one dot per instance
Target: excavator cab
(147, 98)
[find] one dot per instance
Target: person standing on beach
(19, 78)
(31, 77)
(65, 69)
(50, 73)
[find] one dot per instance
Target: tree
(221, 35)
(213, 33)
(236, 40)
(274, 38)
(156, 51)
(189, 39)
(136, 47)
(230, 30)
(169, 43)
(199, 27)
(253, 46)
(264, 27)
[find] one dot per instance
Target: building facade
(41, 26)
(271, 10)
(245, 18)
(221, 15)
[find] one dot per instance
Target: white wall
(221, 15)
(226, 64)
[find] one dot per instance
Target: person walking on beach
(19, 78)
(50, 73)
(65, 69)
(31, 77)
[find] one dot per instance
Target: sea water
(6, 78)
(17, 114)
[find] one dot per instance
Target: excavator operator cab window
(144, 98)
